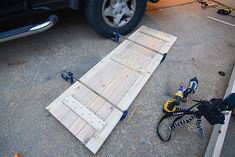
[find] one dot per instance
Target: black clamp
(68, 76)
(116, 37)
(163, 57)
(226, 11)
(124, 115)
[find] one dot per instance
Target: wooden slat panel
(63, 113)
(118, 77)
(86, 97)
(158, 35)
(129, 64)
(87, 131)
(77, 125)
(136, 88)
(84, 112)
(124, 86)
(138, 85)
(98, 139)
(105, 75)
(56, 103)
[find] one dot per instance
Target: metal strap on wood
(92, 107)
(127, 63)
(84, 113)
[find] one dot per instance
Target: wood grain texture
(119, 77)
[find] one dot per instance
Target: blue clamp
(164, 57)
(116, 37)
(124, 115)
(68, 76)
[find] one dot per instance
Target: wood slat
(118, 77)
(88, 131)
(129, 64)
(93, 120)
(98, 139)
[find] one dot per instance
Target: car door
(50, 4)
(11, 11)
(11, 6)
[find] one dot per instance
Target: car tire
(95, 11)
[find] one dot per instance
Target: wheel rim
(117, 13)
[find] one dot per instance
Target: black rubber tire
(93, 12)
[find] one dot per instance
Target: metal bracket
(164, 57)
(84, 113)
(129, 64)
(68, 76)
(124, 115)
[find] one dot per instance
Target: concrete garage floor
(30, 80)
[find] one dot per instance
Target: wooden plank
(105, 75)
(129, 64)
(144, 55)
(155, 35)
(101, 77)
(120, 85)
(101, 109)
(62, 112)
(87, 131)
(99, 106)
(104, 61)
(78, 124)
(121, 48)
(98, 139)
(112, 86)
(138, 85)
(136, 88)
(84, 112)
(88, 99)
(118, 78)
(124, 86)
(59, 110)
(68, 117)
(54, 105)
(218, 134)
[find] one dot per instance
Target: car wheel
(108, 16)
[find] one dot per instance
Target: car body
(104, 16)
